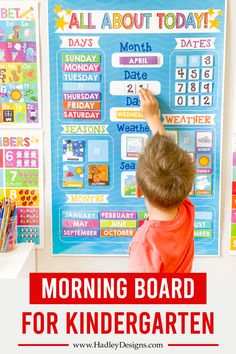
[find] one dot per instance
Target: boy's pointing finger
(141, 95)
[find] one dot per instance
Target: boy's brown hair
(165, 172)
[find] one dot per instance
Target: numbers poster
(101, 53)
(21, 179)
(19, 65)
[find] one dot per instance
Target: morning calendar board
(101, 53)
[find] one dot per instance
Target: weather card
(132, 145)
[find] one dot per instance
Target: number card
(100, 57)
(20, 85)
(198, 75)
(21, 179)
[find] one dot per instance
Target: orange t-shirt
(164, 246)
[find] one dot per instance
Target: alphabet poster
(21, 180)
(101, 53)
(19, 65)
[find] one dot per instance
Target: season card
(98, 175)
(73, 150)
(73, 176)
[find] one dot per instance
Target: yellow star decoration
(211, 12)
(68, 12)
(34, 140)
(57, 9)
(220, 13)
(215, 23)
(60, 23)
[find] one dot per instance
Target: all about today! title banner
(195, 21)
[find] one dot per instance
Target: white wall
(223, 265)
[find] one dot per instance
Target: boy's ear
(139, 192)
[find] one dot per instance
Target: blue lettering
(106, 22)
(127, 166)
(135, 47)
(132, 101)
(133, 128)
(190, 21)
(135, 75)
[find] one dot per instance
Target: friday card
(101, 53)
(19, 65)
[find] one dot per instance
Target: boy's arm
(150, 109)
(143, 258)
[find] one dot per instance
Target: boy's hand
(150, 109)
(149, 104)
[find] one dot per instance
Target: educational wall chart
(19, 65)
(21, 179)
(101, 53)
(233, 205)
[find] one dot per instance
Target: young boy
(165, 175)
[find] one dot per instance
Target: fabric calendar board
(101, 52)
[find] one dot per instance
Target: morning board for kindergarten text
(101, 54)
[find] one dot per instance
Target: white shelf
(18, 263)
